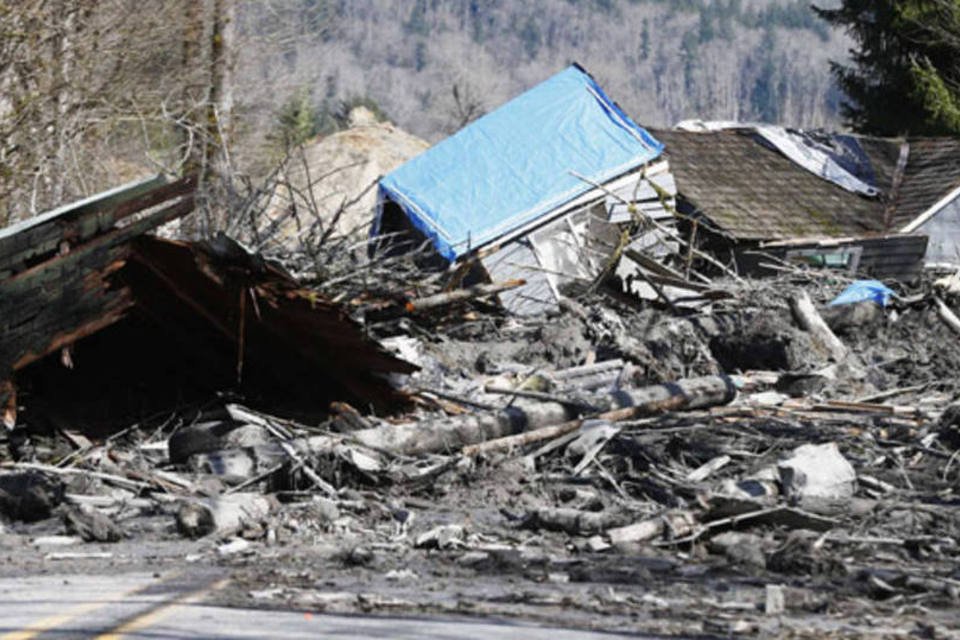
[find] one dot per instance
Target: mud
(879, 564)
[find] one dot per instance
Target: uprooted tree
(905, 72)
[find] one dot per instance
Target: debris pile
(649, 442)
(762, 460)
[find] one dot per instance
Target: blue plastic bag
(863, 290)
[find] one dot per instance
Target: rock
(324, 511)
(91, 525)
(765, 343)
(224, 515)
(853, 319)
(29, 496)
(740, 548)
(214, 436)
(817, 471)
(361, 155)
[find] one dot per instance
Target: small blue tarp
(517, 164)
(863, 290)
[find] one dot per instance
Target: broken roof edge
(423, 192)
(828, 241)
(111, 197)
(938, 206)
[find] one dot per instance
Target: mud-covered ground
(526, 532)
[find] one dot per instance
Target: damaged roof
(79, 270)
(754, 192)
(518, 163)
(932, 172)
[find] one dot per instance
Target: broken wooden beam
(813, 323)
(947, 315)
(78, 222)
(461, 295)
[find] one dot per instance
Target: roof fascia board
(932, 211)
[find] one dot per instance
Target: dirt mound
(338, 172)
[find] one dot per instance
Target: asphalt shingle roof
(933, 171)
(754, 192)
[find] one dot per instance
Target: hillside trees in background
(95, 92)
(435, 65)
(904, 75)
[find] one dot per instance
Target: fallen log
(460, 295)
(451, 434)
(674, 523)
(544, 433)
(813, 323)
(573, 521)
(948, 317)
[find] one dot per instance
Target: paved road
(151, 607)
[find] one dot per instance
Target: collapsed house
(756, 205)
(763, 195)
(538, 190)
(928, 196)
(106, 322)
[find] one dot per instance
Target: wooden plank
(110, 315)
(78, 222)
(620, 212)
(33, 340)
(176, 210)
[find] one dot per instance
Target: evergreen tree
(765, 97)
(645, 40)
(905, 76)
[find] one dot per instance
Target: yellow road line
(156, 614)
(51, 622)
(45, 624)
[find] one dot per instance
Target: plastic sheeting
(517, 164)
(815, 160)
(863, 290)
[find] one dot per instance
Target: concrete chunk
(817, 471)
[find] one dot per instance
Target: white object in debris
(766, 399)
(949, 284)
(237, 545)
(775, 601)
(406, 348)
(401, 575)
(817, 471)
(443, 537)
(56, 541)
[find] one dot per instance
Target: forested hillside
(434, 64)
(94, 92)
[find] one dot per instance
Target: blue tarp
(863, 290)
(517, 163)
